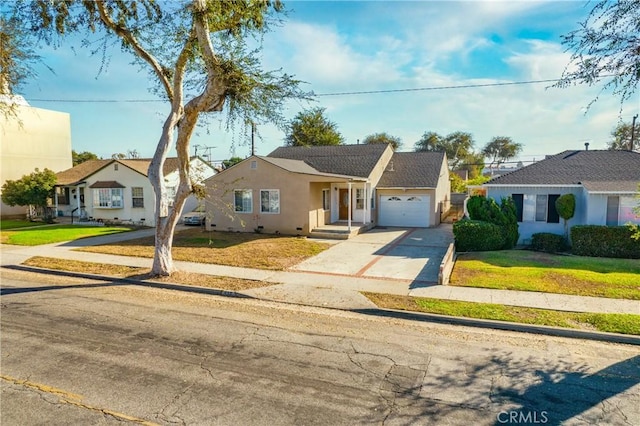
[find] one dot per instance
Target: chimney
(586, 146)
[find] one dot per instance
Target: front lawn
(242, 249)
(16, 223)
(611, 323)
(55, 234)
(543, 272)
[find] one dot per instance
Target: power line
(423, 89)
(363, 92)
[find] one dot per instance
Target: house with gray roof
(604, 182)
(313, 190)
(119, 189)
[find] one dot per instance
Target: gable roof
(299, 166)
(600, 170)
(83, 170)
(349, 160)
(412, 170)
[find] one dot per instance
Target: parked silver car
(196, 217)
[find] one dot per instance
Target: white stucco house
(604, 182)
(119, 190)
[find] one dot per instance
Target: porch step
(338, 233)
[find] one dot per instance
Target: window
(359, 198)
(137, 197)
(326, 199)
(538, 208)
(243, 200)
(541, 208)
(613, 207)
(270, 201)
(63, 195)
(107, 198)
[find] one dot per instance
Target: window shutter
(517, 199)
(552, 213)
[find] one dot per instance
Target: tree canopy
(605, 49)
(501, 149)
(396, 142)
(621, 137)
(311, 127)
(457, 145)
(231, 162)
(198, 56)
(34, 189)
(81, 157)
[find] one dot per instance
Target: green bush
(503, 215)
(604, 241)
(477, 235)
(547, 242)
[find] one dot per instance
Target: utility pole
(253, 143)
(633, 130)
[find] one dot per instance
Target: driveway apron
(412, 254)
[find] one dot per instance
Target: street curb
(379, 312)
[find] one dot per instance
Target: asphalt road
(81, 352)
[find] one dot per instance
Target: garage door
(404, 210)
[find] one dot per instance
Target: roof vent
(586, 146)
(390, 168)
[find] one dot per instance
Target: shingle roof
(84, 170)
(107, 184)
(299, 166)
(602, 170)
(80, 172)
(412, 170)
(350, 160)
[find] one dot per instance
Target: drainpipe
(349, 208)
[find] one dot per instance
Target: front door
(343, 209)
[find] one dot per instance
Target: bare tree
(197, 53)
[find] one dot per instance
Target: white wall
(35, 138)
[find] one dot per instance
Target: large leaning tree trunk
(196, 52)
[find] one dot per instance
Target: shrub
(547, 242)
(566, 207)
(604, 241)
(503, 215)
(476, 235)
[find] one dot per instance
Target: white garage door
(404, 210)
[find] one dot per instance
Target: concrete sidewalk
(326, 289)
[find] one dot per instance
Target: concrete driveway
(411, 254)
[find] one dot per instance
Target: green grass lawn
(56, 234)
(611, 323)
(534, 271)
(16, 224)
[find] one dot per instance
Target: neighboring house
(29, 139)
(120, 189)
(296, 190)
(605, 184)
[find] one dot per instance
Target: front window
(243, 200)
(137, 197)
(270, 201)
(107, 198)
(359, 198)
(63, 195)
(326, 199)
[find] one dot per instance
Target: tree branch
(128, 36)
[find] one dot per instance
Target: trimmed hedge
(548, 242)
(477, 235)
(604, 241)
(503, 215)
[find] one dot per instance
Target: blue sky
(368, 46)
